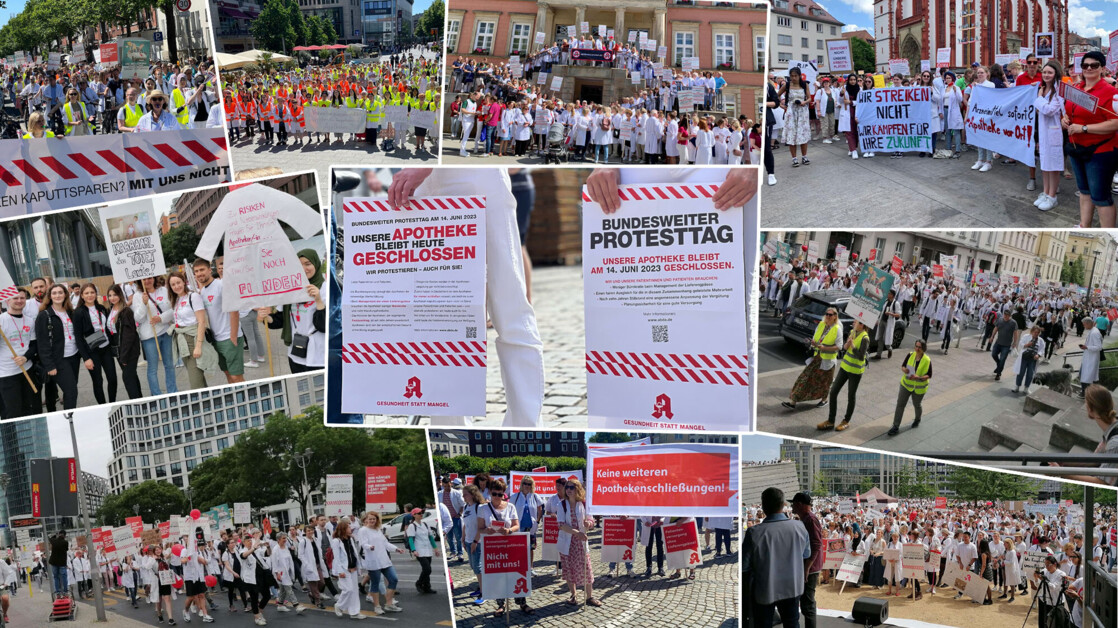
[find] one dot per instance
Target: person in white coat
(671, 139)
(148, 575)
(952, 115)
(653, 137)
(283, 570)
(344, 567)
(704, 143)
(1030, 348)
(937, 106)
(312, 565)
(518, 340)
(1050, 107)
(1092, 352)
(846, 116)
(376, 560)
(887, 324)
(253, 557)
(129, 578)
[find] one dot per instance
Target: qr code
(659, 333)
(471, 332)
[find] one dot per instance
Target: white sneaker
(186, 616)
(369, 599)
(206, 619)
(251, 364)
(828, 141)
(1039, 199)
(1031, 185)
(772, 179)
(338, 612)
(986, 167)
(299, 608)
(283, 609)
(854, 154)
(357, 616)
(378, 610)
(1048, 204)
(393, 607)
(259, 621)
(869, 155)
(327, 596)
(976, 166)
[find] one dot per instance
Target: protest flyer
(1002, 120)
(1044, 46)
(839, 58)
(665, 302)
(261, 266)
(870, 294)
(334, 120)
(618, 538)
(380, 489)
(242, 512)
(851, 568)
(899, 66)
(692, 479)
(943, 57)
(413, 312)
(834, 552)
(895, 119)
(544, 481)
(339, 495)
(134, 246)
(506, 569)
(135, 58)
(968, 583)
(681, 545)
(912, 560)
(550, 546)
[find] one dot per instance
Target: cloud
(849, 28)
(865, 6)
(1081, 20)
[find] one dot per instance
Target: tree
(983, 485)
(612, 437)
(329, 33)
(158, 500)
(431, 21)
(867, 484)
(1074, 271)
(314, 31)
(914, 483)
(272, 29)
(473, 465)
(862, 51)
(821, 484)
(298, 24)
(179, 244)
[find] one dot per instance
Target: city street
(425, 610)
(910, 192)
(712, 599)
(557, 298)
(962, 396)
(34, 609)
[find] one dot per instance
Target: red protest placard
(670, 481)
(539, 470)
(137, 525)
(937, 270)
(898, 264)
(505, 565)
(164, 530)
(941, 503)
(681, 544)
(618, 538)
(544, 482)
(380, 489)
(109, 54)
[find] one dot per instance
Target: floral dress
(797, 129)
(576, 563)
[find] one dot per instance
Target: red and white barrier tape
(471, 353)
(434, 203)
(662, 192)
(158, 156)
(688, 368)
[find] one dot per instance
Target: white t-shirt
(966, 553)
(217, 319)
(185, 308)
(493, 517)
(420, 533)
(70, 343)
(20, 331)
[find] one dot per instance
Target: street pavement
(557, 299)
(905, 193)
(711, 599)
(961, 398)
(32, 606)
(419, 610)
(451, 155)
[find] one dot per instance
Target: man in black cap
(801, 507)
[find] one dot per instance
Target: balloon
(176, 549)
(803, 248)
(177, 584)
(211, 580)
(195, 514)
(854, 256)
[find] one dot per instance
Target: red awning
(336, 47)
(233, 13)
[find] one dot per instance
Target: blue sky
(1085, 17)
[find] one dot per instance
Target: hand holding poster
(618, 538)
(135, 251)
(807, 69)
(261, 267)
(380, 489)
(429, 258)
(699, 480)
(839, 58)
(506, 566)
(681, 545)
(652, 359)
(339, 495)
(870, 294)
(1002, 120)
(895, 119)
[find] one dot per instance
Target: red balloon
(177, 584)
(803, 248)
(854, 256)
(176, 549)
(211, 580)
(195, 514)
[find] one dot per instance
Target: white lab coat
(283, 566)
(1051, 134)
(376, 548)
(844, 115)
(1089, 369)
(937, 105)
(953, 107)
(653, 132)
(890, 324)
(307, 560)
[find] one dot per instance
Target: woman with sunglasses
(916, 370)
(575, 522)
(377, 562)
(158, 118)
(1094, 144)
(815, 380)
(499, 517)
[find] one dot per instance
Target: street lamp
(95, 571)
(302, 460)
(189, 492)
(136, 509)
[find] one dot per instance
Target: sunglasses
(155, 100)
(1032, 63)
(570, 488)
(831, 314)
(1090, 66)
(501, 495)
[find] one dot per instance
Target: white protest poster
(895, 119)
(899, 66)
(242, 512)
(654, 360)
(584, 28)
(1003, 120)
(635, 78)
(834, 552)
(632, 36)
(166, 577)
(135, 251)
(413, 311)
(681, 545)
(610, 34)
(943, 57)
(334, 119)
(421, 118)
(506, 565)
(601, 30)
(261, 266)
(846, 507)
(661, 52)
(571, 31)
(541, 79)
(77, 53)
(839, 58)
(54, 59)
(925, 65)
(556, 83)
(912, 560)
(812, 251)
(339, 495)
(539, 39)
(851, 568)
(1078, 97)
(807, 69)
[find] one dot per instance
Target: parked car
(798, 325)
(395, 532)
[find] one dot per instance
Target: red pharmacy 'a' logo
(414, 389)
(694, 558)
(521, 586)
(628, 555)
(662, 407)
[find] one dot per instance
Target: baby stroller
(557, 144)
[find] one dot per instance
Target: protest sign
(541, 79)
(969, 584)
(654, 360)
(107, 54)
(394, 114)
(896, 266)
(839, 58)
(661, 52)
(912, 560)
(1002, 120)
(632, 36)
(544, 481)
(334, 119)
(584, 28)
(870, 294)
(851, 568)
(1078, 97)
(572, 31)
(380, 489)
(610, 34)
(1032, 562)
(834, 551)
(925, 65)
(895, 119)
(943, 57)
(506, 566)
(845, 507)
(242, 512)
(556, 83)
(635, 78)
(1044, 46)
(134, 247)
(686, 479)
(601, 30)
(428, 258)
(77, 53)
(899, 66)
(550, 546)
(585, 54)
(135, 58)
(681, 546)
(54, 59)
(807, 69)
(1005, 59)
(539, 39)
(1112, 53)
(339, 495)
(618, 538)
(261, 266)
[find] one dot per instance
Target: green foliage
(1074, 271)
(612, 437)
(158, 500)
(273, 28)
(1108, 378)
(983, 485)
(821, 484)
(862, 51)
(913, 483)
(432, 19)
(260, 467)
(329, 33)
(502, 466)
(179, 243)
(867, 484)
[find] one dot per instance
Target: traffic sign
(157, 36)
(182, 5)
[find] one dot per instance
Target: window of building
(899, 250)
(833, 33)
(803, 25)
(803, 42)
(759, 51)
(483, 37)
(819, 44)
(783, 57)
(784, 40)
(684, 46)
(783, 21)
(520, 39)
(724, 50)
(819, 28)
